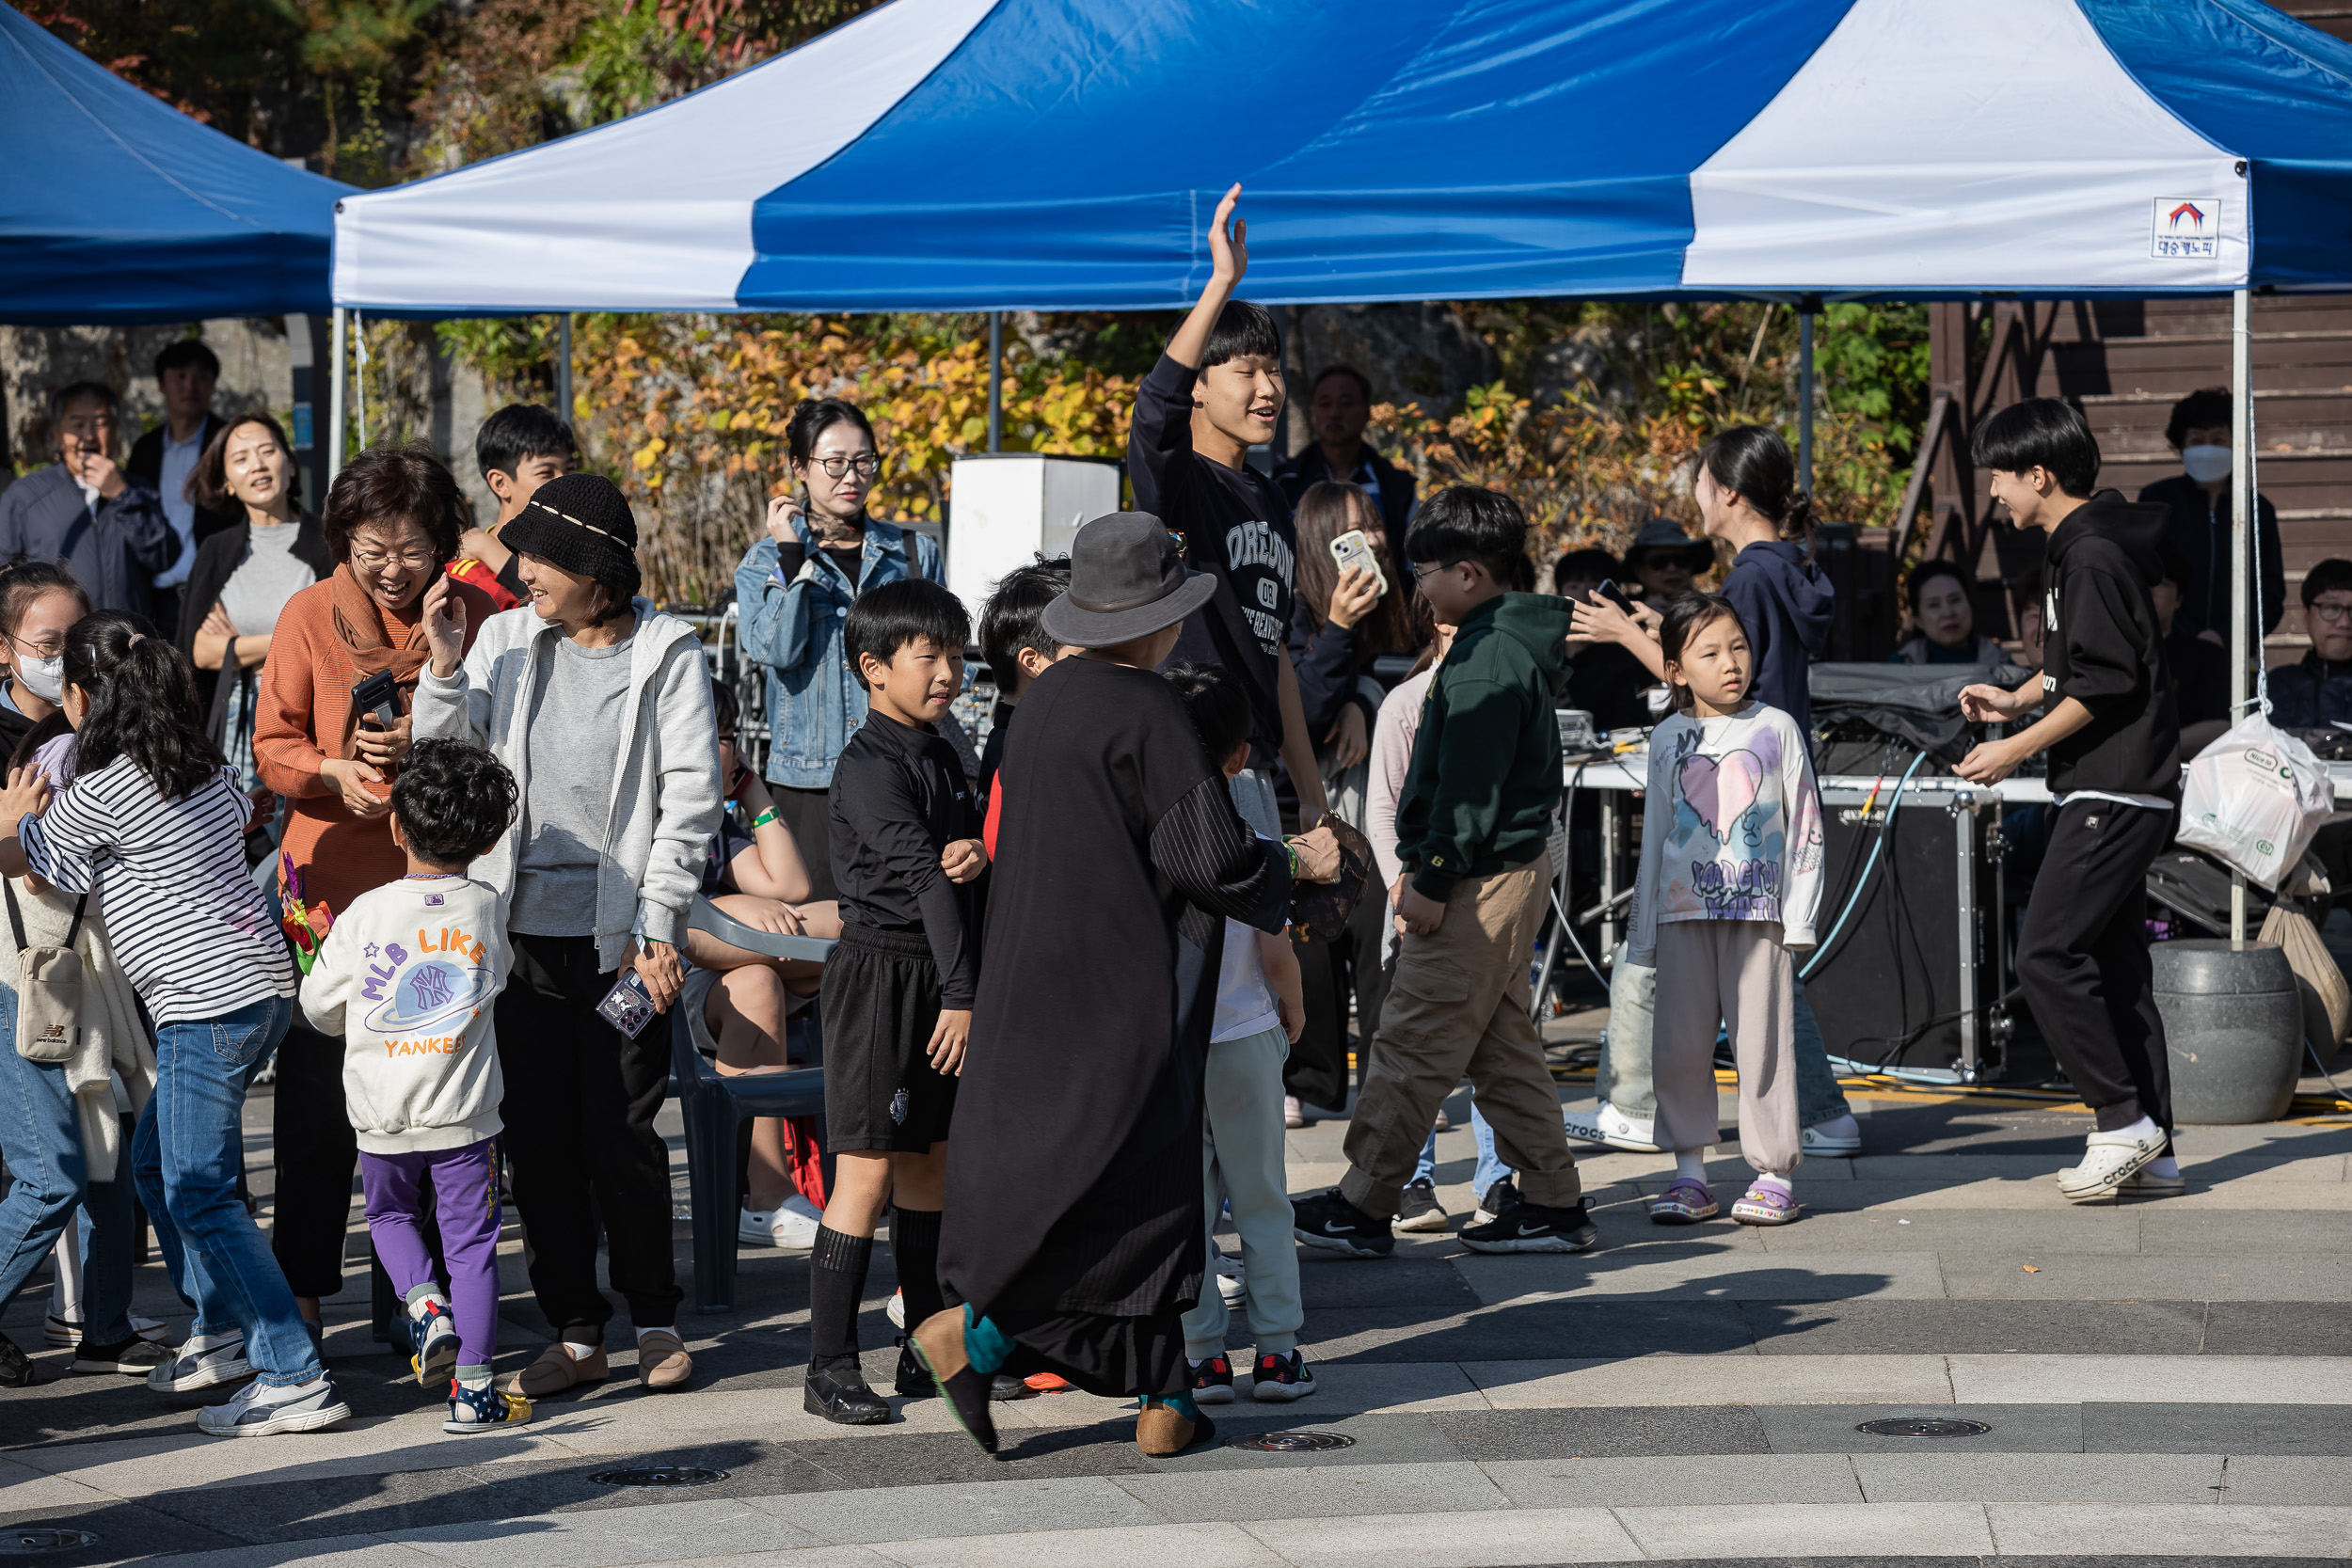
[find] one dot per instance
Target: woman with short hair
(1943, 621)
(393, 516)
(600, 707)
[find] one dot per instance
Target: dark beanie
(582, 523)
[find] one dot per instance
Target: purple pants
(466, 1199)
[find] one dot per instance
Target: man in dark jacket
(85, 511)
(2317, 693)
(2113, 735)
(2198, 501)
(1341, 403)
(165, 458)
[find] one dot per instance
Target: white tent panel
(541, 230)
(1996, 144)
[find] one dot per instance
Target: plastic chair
(715, 1105)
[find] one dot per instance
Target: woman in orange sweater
(394, 518)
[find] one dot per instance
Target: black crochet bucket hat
(582, 523)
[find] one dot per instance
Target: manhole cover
(658, 1475)
(1924, 1426)
(25, 1539)
(1292, 1442)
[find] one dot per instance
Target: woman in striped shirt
(153, 825)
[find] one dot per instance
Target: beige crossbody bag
(48, 990)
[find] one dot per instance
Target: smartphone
(378, 697)
(1614, 594)
(628, 1006)
(1352, 549)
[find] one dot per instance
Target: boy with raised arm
(1216, 393)
(2113, 735)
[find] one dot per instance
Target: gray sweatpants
(1241, 1159)
(1730, 973)
(1624, 1060)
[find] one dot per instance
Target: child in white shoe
(407, 975)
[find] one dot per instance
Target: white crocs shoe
(1606, 1124)
(2109, 1160)
(793, 1227)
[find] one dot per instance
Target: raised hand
(1229, 241)
(445, 627)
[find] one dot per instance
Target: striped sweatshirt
(191, 930)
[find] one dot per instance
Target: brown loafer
(557, 1370)
(1162, 1434)
(662, 1362)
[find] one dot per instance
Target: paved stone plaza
(2168, 1378)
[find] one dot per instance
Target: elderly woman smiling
(392, 522)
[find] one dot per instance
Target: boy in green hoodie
(1473, 824)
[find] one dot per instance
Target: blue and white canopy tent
(116, 208)
(1066, 154)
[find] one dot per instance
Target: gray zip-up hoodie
(665, 781)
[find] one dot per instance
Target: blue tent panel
(116, 207)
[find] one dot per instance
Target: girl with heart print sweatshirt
(1730, 882)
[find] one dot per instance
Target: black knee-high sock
(836, 1286)
(915, 1247)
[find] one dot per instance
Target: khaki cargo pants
(1458, 1004)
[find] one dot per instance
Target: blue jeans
(185, 1156)
(41, 1136)
(1490, 1167)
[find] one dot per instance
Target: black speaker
(1887, 988)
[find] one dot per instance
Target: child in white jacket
(407, 977)
(1730, 882)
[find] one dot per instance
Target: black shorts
(881, 999)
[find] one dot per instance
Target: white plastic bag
(2254, 798)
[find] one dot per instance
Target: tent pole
(1804, 393)
(336, 377)
(995, 380)
(564, 367)
(2241, 537)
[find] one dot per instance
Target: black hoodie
(2106, 652)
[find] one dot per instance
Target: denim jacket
(814, 702)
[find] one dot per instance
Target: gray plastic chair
(715, 1104)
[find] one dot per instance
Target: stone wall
(255, 372)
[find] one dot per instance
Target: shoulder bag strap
(72, 932)
(16, 916)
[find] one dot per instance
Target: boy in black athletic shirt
(898, 991)
(1216, 393)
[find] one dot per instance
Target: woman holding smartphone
(1343, 617)
(392, 522)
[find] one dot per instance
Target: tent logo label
(2186, 229)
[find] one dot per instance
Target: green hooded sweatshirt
(1484, 778)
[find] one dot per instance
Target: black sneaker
(1213, 1381)
(132, 1357)
(1418, 1209)
(15, 1371)
(1531, 1227)
(1330, 1223)
(913, 1379)
(839, 1394)
(1502, 1195)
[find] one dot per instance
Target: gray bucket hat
(1127, 580)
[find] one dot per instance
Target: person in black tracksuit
(2113, 735)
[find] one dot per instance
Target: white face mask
(44, 678)
(2206, 464)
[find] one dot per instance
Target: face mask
(44, 678)
(2206, 464)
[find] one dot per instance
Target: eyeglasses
(2334, 614)
(867, 467)
(48, 647)
(726, 737)
(1422, 573)
(376, 561)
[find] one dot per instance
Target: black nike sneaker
(1332, 1223)
(1525, 1226)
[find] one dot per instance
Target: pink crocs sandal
(1683, 1202)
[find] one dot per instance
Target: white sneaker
(897, 1310)
(1294, 1114)
(259, 1411)
(1606, 1124)
(189, 1370)
(1231, 1283)
(1836, 1139)
(794, 1224)
(2109, 1160)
